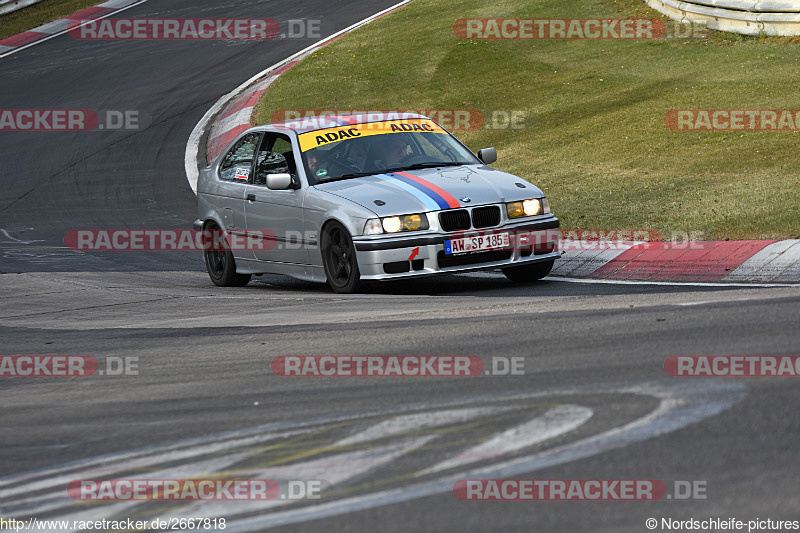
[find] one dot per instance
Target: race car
(357, 198)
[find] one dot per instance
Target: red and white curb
(20, 41)
(727, 261)
(235, 117)
(234, 110)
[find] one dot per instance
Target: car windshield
(376, 148)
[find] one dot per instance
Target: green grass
(38, 14)
(599, 147)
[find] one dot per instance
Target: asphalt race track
(202, 401)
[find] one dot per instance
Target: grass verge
(600, 147)
(32, 16)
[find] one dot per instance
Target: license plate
(478, 243)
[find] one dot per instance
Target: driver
(313, 161)
(395, 149)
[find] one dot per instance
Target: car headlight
(396, 224)
(527, 208)
(373, 227)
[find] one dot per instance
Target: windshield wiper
(347, 176)
(417, 166)
(431, 164)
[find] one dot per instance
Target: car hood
(416, 191)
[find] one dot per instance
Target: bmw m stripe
(426, 199)
(444, 198)
(435, 198)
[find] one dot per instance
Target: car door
(276, 214)
(235, 171)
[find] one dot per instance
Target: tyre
(339, 259)
(221, 266)
(528, 273)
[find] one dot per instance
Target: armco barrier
(7, 6)
(748, 17)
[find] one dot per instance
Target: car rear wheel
(528, 273)
(339, 259)
(222, 267)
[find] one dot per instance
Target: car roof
(321, 122)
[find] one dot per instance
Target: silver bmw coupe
(356, 198)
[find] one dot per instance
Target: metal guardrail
(748, 17)
(760, 6)
(8, 6)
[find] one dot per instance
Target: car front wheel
(528, 273)
(222, 267)
(339, 259)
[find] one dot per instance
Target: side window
(427, 147)
(275, 157)
(432, 145)
(238, 162)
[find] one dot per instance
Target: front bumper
(401, 256)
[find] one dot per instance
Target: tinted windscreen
(375, 148)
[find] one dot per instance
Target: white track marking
(555, 422)
(496, 274)
(57, 499)
(680, 405)
(402, 424)
(335, 469)
(668, 283)
(8, 236)
(104, 467)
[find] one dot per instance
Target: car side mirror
(279, 182)
(487, 155)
